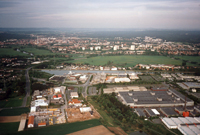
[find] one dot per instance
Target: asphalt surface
(27, 87)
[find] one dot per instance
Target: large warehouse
(153, 98)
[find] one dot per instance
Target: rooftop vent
(130, 94)
(152, 93)
(159, 99)
(135, 99)
(169, 93)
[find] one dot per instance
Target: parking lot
(93, 91)
(158, 78)
(147, 78)
(69, 91)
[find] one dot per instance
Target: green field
(37, 51)
(14, 112)
(11, 52)
(189, 58)
(11, 128)
(61, 129)
(11, 102)
(128, 61)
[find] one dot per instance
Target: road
(27, 87)
(27, 91)
(85, 86)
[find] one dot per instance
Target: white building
(116, 47)
(91, 48)
(132, 47)
(117, 80)
(85, 109)
(41, 102)
(83, 48)
(74, 95)
(97, 48)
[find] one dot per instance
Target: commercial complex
(153, 98)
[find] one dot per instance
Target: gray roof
(145, 97)
(168, 111)
(150, 112)
(140, 112)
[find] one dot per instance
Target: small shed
(85, 109)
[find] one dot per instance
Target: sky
(139, 14)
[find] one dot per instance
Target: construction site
(75, 114)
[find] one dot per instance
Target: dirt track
(98, 130)
(8, 119)
(117, 130)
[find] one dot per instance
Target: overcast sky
(164, 14)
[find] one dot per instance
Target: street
(27, 87)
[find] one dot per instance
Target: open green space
(14, 112)
(28, 101)
(127, 61)
(38, 51)
(11, 52)
(189, 58)
(6, 128)
(61, 129)
(11, 102)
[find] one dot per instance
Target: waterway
(62, 72)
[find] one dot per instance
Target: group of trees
(14, 88)
(122, 114)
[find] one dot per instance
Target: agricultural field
(9, 128)
(127, 61)
(98, 130)
(189, 58)
(9, 119)
(61, 129)
(37, 51)
(147, 79)
(11, 102)
(11, 52)
(14, 112)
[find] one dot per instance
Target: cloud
(104, 13)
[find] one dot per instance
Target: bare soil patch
(74, 115)
(8, 119)
(117, 130)
(98, 130)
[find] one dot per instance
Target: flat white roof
(177, 121)
(195, 129)
(155, 111)
(192, 120)
(184, 120)
(197, 119)
(169, 123)
(186, 131)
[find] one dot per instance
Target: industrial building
(31, 121)
(122, 89)
(187, 126)
(189, 85)
(169, 112)
(140, 112)
(153, 98)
